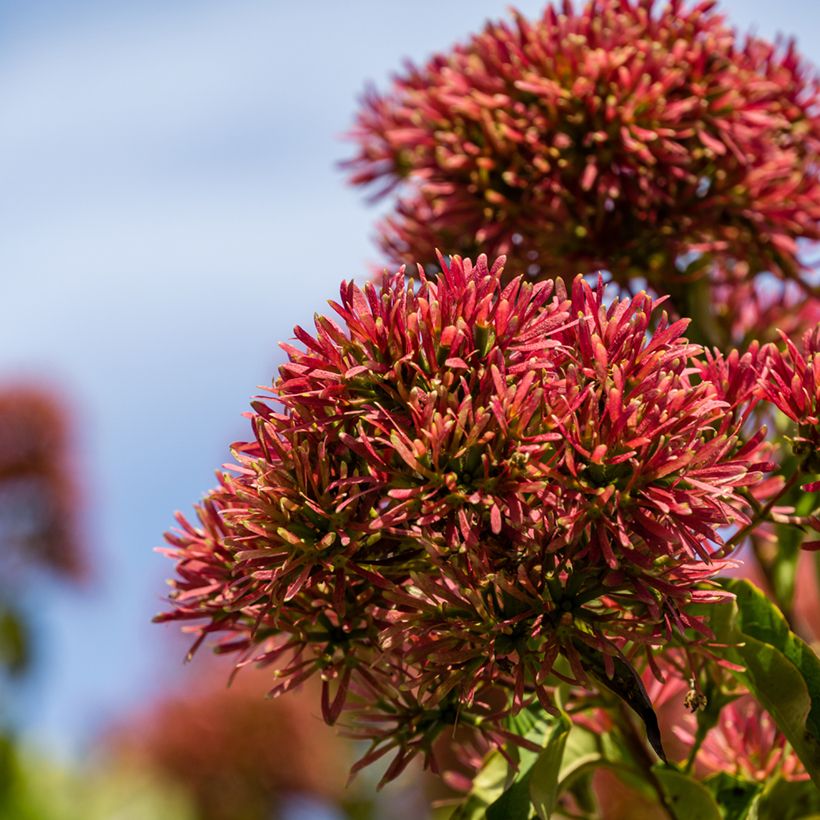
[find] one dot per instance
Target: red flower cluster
(744, 742)
(37, 492)
(618, 137)
(792, 384)
(464, 481)
(790, 380)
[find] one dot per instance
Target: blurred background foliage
(169, 172)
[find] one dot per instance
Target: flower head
(791, 382)
(742, 739)
(616, 136)
(746, 743)
(460, 483)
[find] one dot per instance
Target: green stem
(760, 516)
(767, 567)
(700, 736)
(641, 754)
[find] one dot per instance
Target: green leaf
(781, 670)
(587, 751)
(488, 785)
(544, 774)
(501, 792)
(14, 642)
(687, 798)
(737, 798)
(514, 804)
(496, 777)
(537, 782)
(582, 753)
(783, 570)
(586, 748)
(699, 304)
(584, 794)
(788, 800)
(532, 723)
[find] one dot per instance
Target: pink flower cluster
(792, 384)
(459, 483)
(744, 741)
(620, 136)
(747, 743)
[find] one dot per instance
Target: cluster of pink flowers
(792, 384)
(747, 743)
(461, 482)
(619, 136)
(744, 741)
(38, 522)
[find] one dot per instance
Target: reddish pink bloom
(620, 136)
(791, 381)
(37, 489)
(735, 377)
(461, 482)
(746, 743)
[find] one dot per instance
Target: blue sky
(169, 208)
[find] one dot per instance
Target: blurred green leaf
(780, 670)
(788, 800)
(488, 785)
(32, 788)
(687, 798)
(532, 723)
(737, 798)
(514, 804)
(698, 303)
(586, 751)
(544, 774)
(501, 792)
(14, 641)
